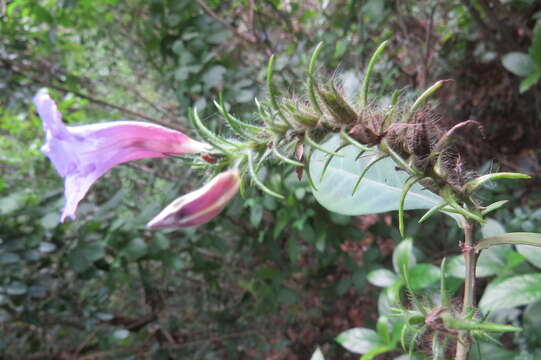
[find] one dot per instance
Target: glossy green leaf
(381, 277)
(511, 291)
(532, 318)
(381, 349)
(535, 49)
(492, 228)
(121, 334)
(359, 340)
(423, 275)
(531, 253)
(530, 81)
(403, 255)
(384, 329)
(379, 191)
(518, 63)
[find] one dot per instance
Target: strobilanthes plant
(414, 164)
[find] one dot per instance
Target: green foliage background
(267, 279)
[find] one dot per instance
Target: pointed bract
(82, 154)
(199, 206)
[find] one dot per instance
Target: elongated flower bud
(82, 154)
(199, 206)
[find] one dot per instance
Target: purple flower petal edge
(82, 154)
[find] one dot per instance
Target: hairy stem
(470, 257)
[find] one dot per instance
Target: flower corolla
(199, 206)
(82, 154)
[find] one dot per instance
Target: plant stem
(470, 258)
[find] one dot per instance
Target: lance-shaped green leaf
(285, 158)
(263, 114)
(444, 295)
(238, 126)
(424, 96)
(407, 186)
(398, 159)
(522, 238)
(354, 142)
(435, 209)
(329, 159)
(315, 145)
(380, 188)
(494, 206)
(311, 68)
(258, 182)
(216, 141)
(365, 170)
(308, 169)
(462, 324)
(471, 185)
(368, 73)
(449, 196)
(272, 95)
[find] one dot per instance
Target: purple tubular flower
(199, 206)
(82, 154)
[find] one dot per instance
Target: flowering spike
(82, 154)
(199, 206)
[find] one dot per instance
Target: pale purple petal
(82, 154)
(199, 206)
